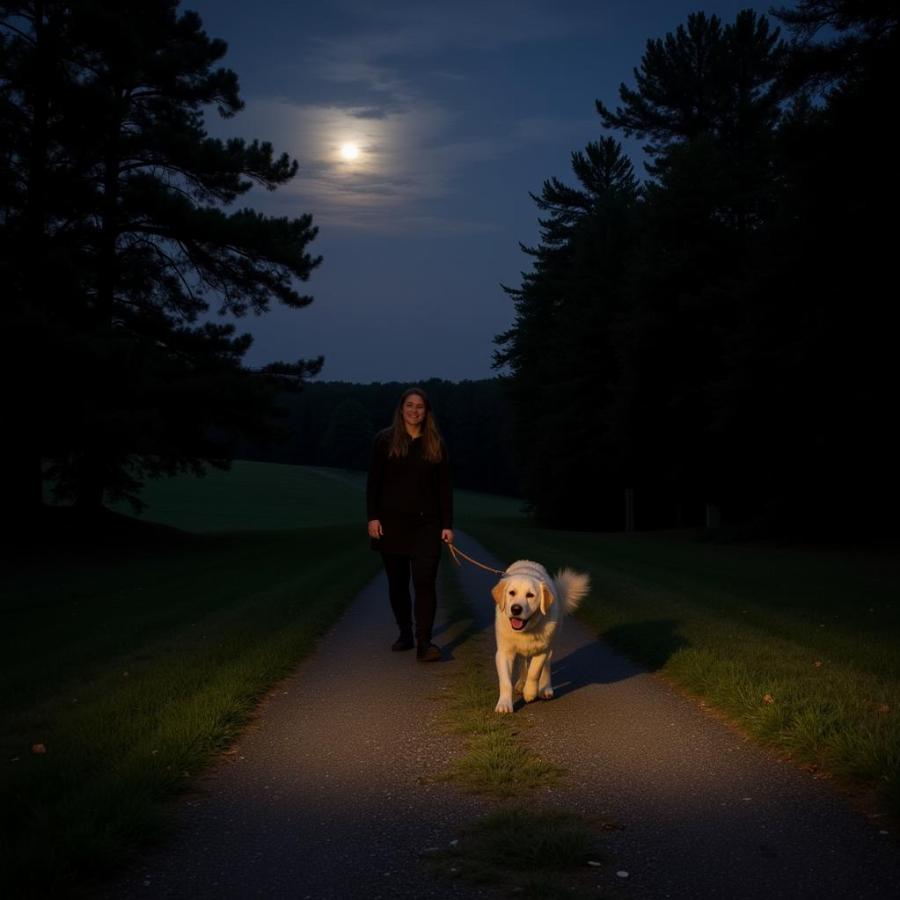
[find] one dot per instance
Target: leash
(455, 552)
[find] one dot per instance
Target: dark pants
(423, 570)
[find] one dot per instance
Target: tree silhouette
(560, 347)
(743, 354)
(113, 171)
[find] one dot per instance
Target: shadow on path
(585, 665)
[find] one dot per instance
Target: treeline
(117, 238)
(721, 338)
(333, 424)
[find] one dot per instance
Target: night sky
(458, 110)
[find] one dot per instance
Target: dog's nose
(515, 609)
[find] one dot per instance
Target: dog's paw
(529, 693)
(547, 693)
(503, 706)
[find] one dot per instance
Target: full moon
(349, 151)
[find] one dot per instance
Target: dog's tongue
(517, 624)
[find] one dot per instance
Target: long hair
(432, 443)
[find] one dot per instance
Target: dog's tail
(571, 588)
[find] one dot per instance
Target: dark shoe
(428, 653)
(404, 642)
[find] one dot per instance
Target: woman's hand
(447, 535)
(375, 529)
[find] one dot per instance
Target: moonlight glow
(349, 152)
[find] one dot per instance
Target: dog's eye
(529, 596)
(512, 593)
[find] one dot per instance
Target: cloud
(414, 28)
(415, 150)
(384, 54)
(411, 162)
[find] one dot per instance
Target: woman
(410, 511)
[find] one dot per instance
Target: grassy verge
(798, 647)
(531, 852)
(497, 760)
(127, 668)
(543, 854)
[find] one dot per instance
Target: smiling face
(520, 598)
(413, 411)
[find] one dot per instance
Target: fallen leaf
(818, 663)
(883, 708)
(768, 699)
(38, 748)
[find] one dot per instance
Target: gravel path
(328, 794)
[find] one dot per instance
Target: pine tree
(707, 98)
(139, 204)
(559, 350)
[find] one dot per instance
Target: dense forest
(333, 423)
(721, 335)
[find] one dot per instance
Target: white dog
(530, 605)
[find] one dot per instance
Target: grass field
(271, 496)
(257, 496)
(798, 646)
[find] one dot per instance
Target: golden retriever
(530, 606)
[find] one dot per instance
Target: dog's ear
(546, 598)
(498, 591)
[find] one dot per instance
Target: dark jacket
(411, 497)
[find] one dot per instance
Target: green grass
(134, 658)
(799, 647)
(254, 496)
(145, 680)
(537, 853)
(497, 759)
(471, 506)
